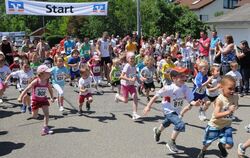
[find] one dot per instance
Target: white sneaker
(247, 128)
(202, 115)
(1, 101)
(61, 108)
(116, 97)
(109, 84)
(135, 116)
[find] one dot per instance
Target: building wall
(238, 31)
(211, 9)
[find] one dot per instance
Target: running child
(25, 76)
(115, 74)
(58, 75)
(128, 79)
(172, 105)
(147, 75)
(4, 72)
(200, 83)
(39, 87)
(85, 88)
(219, 126)
(242, 148)
(73, 63)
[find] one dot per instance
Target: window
(230, 4)
(203, 17)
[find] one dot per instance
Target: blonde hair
(227, 79)
(202, 63)
(115, 61)
(129, 55)
(84, 68)
(148, 59)
(213, 67)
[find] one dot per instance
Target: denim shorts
(173, 118)
(225, 135)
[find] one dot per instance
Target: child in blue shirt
(73, 63)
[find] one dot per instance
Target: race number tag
(25, 81)
(40, 91)
(87, 86)
(96, 69)
(178, 102)
(75, 68)
(200, 90)
(2, 75)
(117, 74)
(60, 77)
(131, 75)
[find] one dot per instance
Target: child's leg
(46, 115)
(119, 89)
(34, 113)
(59, 90)
(124, 97)
(135, 99)
(90, 99)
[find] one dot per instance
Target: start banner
(26, 7)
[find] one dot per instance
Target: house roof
(194, 4)
(39, 32)
(241, 14)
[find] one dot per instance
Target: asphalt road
(107, 131)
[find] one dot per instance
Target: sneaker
(46, 131)
(247, 128)
(223, 151)
(1, 100)
(157, 134)
(61, 108)
(116, 98)
(202, 115)
(71, 84)
(201, 154)
(135, 116)
(23, 108)
(172, 147)
(109, 84)
(87, 106)
(241, 94)
(148, 98)
(80, 112)
(29, 109)
(241, 152)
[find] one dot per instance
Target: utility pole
(138, 22)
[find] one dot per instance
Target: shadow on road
(8, 147)
(69, 130)
(3, 132)
(4, 114)
(102, 119)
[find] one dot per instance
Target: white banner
(25, 7)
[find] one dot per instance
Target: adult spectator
(69, 45)
(131, 46)
(104, 51)
(7, 49)
(204, 45)
(243, 54)
(227, 53)
(214, 40)
(41, 48)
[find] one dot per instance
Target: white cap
(4, 38)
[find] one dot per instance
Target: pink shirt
(96, 69)
(39, 91)
(204, 51)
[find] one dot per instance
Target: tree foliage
(157, 17)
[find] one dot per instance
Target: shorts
(212, 99)
(128, 89)
(173, 118)
(116, 83)
(97, 79)
(74, 75)
(149, 85)
(105, 60)
(82, 97)
(225, 135)
(199, 96)
(38, 104)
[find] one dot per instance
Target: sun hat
(43, 68)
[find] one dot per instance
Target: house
(235, 23)
(38, 33)
(208, 9)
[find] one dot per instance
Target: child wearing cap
(95, 68)
(128, 79)
(15, 66)
(172, 104)
(4, 72)
(39, 87)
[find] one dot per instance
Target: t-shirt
(236, 75)
(214, 83)
(166, 67)
(48, 62)
(130, 72)
(148, 73)
(227, 120)
(104, 48)
(34, 66)
(131, 47)
(85, 84)
(173, 97)
(73, 60)
(198, 81)
(115, 73)
(214, 41)
(4, 72)
(96, 69)
(69, 46)
(24, 77)
(204, 51)
(58, 75)
(85, 48)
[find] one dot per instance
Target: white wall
(238, 31)
(211, 9)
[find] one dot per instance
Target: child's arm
(31, 85)
(51, 92)
(111, 73)
(220, 114)
(189, 107)
(214, 88)
(149, 105)
(8, 78)
(124, 77)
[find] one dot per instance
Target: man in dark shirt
(7, 49)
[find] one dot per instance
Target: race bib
(131, 75)
(87, 86)
(76, 68)
(2, 75)
(200, 90)
(69, 49)
(60, 77)
(15, 69)
(178, 103)
(40, 91)
(117, 74)
(228, 117)
(96, 69)
(25, 82)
